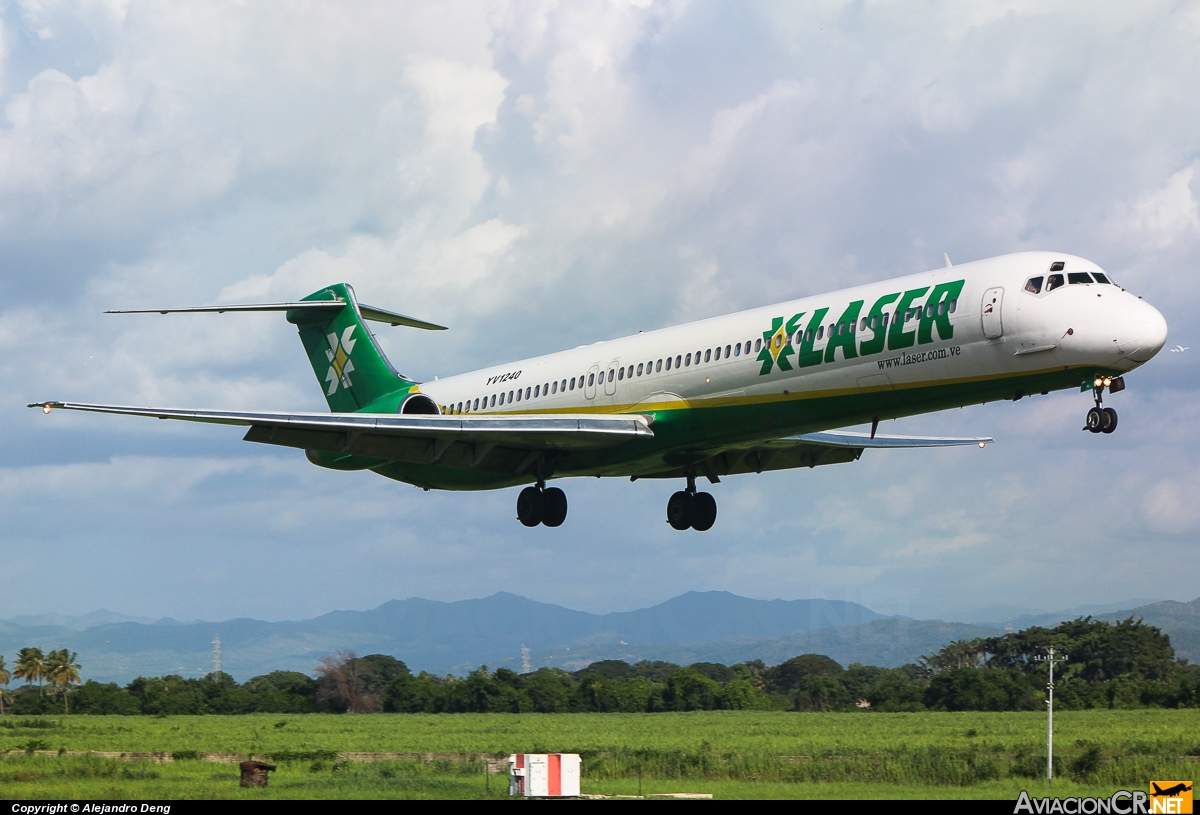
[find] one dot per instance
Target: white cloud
(540, 174)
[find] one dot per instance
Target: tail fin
(349, 364)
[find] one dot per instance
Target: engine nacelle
(420, 403)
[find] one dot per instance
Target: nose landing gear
(1101, 419)
(688, 509)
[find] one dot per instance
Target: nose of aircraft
(1140, 330)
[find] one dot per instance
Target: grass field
(730, 754)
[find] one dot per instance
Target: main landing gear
(538, 505)
(1101, 419)
(691, 509)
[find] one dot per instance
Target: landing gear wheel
(1109, 420)
(531, 506)
(1095, 420)
(554, 510)
(705, 512)
(681, 510)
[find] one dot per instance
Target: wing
(426, 439)
(808, 450)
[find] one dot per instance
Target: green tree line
(1109, 665)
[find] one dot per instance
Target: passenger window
(688, 359)
(737, 350)
(554, 386)
(929, 307)
(564, 386)
(726, 352)
(885, 319)
(708, 354)
(747, 346)
(527, 392)
(820, 333)
(494, 400)
(629, 373)
(518, 395)
(1054, 281)
(572, 383)
(1058, 266)
(862, 324)
(591, 379)
(510, 397)
(502, 398)
(611, 372)
(639, 370)
(658, 366)
(1101, 277)
(1034, 285)
(757, 346)
(678, 359)
(668, 363)
(476, 404)
(620, 373)
(953, 305)
(941, 308)
(1078, 277)
(537, 391)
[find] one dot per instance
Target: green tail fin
(348, 362)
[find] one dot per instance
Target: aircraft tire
(705, 512)
(1095, 420)
(681, 510)
(1110, 421)
(531, 506)
(555, 503)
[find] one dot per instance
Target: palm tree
(62, 670)
(31, 665)
(5, 676)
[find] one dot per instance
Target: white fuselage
(999, 329)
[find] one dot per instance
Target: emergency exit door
(989, 313)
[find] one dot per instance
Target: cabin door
(610, 380)
(590, 383)
(993, 301)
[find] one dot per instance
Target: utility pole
(216, 657)
(1050, 659)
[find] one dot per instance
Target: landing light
(1099, 382)
(1107, 381)
(45, 408)
(982, 445)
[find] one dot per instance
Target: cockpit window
(1054, 281)
(1058, 266)
(1101, 277)
(1079, 277)
(1034, 285)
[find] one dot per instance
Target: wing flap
(344, 431)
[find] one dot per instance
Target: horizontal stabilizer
(378, 315)
(836, 438)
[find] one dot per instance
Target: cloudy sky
(538, 175)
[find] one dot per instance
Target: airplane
(1170, 792)
(759, 390)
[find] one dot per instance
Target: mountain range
(454, 637)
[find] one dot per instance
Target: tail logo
(340, 365)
